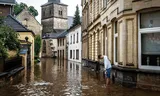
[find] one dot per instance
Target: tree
(8, 39)
(37, 43)
(19, 7)
(33, 11)
(76, 19)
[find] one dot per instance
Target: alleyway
(64, 78)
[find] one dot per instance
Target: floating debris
(85, 87)
(43, 84)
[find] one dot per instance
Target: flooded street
(54, 77)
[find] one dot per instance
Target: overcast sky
(37, 3)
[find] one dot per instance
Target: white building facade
(75, 44)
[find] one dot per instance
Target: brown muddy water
(54, 77)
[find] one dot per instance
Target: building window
(60, 13)
(150, 19)
(63, 54)
(77, 54)
(115, 43)
(77, 37)
(74, 39)
(60, 42)
(150, 49)
(149, 36)
(70, 54)
(63, 42)
(58, 53)
(73, 54)
(105, 3)
(71, 40)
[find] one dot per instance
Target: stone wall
(58, 8)
(148, 81)
(29, 21)
(47, 25)
(47, 11)
(54, 16)
(60, 23)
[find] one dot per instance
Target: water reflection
(65, 78)
(73, 78)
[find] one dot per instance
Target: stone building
(54, 16)
(54, 21)
(29, 21)
(127, 31)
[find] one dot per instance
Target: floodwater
(54, 77)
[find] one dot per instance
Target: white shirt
(107, 63)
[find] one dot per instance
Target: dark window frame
(77, 37)
(77, 54)
(70, 54)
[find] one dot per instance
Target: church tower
(54, 17)
(54, 21)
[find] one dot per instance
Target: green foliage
(33, 11)
(37, 43)
(8, 39)
(19, 7)
(76, 19)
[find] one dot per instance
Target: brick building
(127, 31)
(6, 7)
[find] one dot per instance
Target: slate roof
(15, 24)
(70, 21)
(60, 33)
(7, 1)
(54, 35)
(59, 30)
(74, 27)
(63, 34)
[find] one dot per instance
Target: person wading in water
(107, 68)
